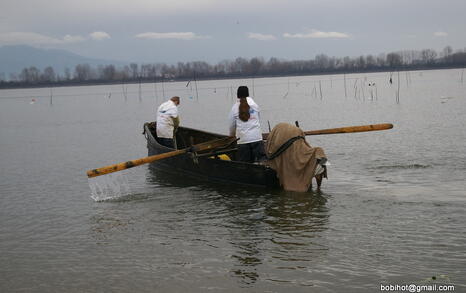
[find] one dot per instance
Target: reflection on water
(105, 224)
(280, 233)
(272, 227)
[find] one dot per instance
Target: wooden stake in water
(362, 88)
(344, 78)
(320, 88)
(124, 91)
(140, 98)
(355, 88)
(398, 91)
(163, 89)
(253, 92)
(51, 97)
(195, 83)
(155, 89)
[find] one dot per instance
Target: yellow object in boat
(222, 157)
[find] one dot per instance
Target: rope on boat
(284, 147)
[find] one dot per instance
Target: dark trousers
(251, 152)
(168, 142)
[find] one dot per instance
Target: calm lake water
(392, 212)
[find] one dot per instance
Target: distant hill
(14, 58)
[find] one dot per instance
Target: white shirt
(249, 131)
(165, 113)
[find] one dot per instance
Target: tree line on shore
(240, 67)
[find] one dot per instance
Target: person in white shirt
(245, 125)
(167, 121)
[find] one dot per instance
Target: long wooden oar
(217, 143)
(349, 129)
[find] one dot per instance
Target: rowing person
(245, 125)
(168, 121)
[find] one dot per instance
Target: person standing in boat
(245, 125)
(167, 121)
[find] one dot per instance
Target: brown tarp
(295, 167)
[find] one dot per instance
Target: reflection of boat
(210, 165)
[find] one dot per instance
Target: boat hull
(204, 166)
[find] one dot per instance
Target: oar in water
(348, 129)
(213, 144)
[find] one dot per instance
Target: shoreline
(73, 83)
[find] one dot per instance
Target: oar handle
(348, 129)
(132, 163)
(351, 129)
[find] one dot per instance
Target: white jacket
(165, 113)
(249, 131)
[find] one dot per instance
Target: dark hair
(243, 93)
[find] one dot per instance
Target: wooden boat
(214, 166)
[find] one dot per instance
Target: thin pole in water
(362, 88)
(51, 97)
(155, 87)
(163, 89)
(124, 91)
(344, 78)
(195, 83)
(320, 88)
(140, 98)
(288, 91)
(398, 91)
(253, 92)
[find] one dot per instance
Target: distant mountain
(14, 58)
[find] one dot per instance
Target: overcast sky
(214, 30)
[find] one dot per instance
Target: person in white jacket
(245, 125)
(167, 121)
